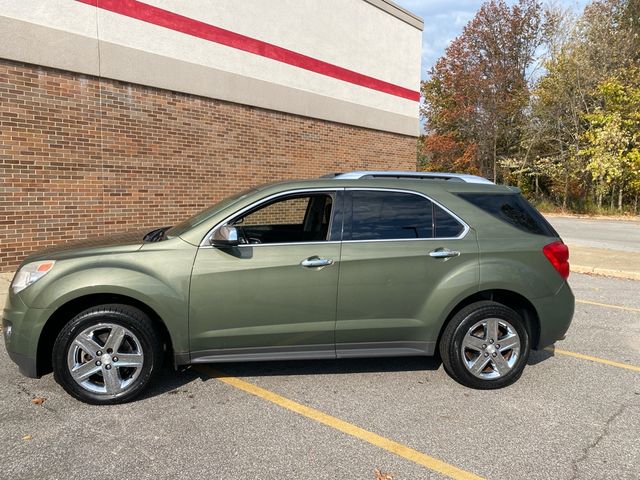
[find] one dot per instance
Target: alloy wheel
(490, 348)
(105, 358)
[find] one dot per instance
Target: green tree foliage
(477, 92)
(612, 137)
(567, 132)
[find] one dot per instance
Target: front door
(403, 257)
(274, 296)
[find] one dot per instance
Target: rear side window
(389, 215)
(381, 215)
(512, 209)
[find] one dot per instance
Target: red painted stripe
(179, 23)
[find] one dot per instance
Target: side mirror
(225, 236)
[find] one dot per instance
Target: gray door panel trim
(315, 352)
(296, 352)
(384, 349)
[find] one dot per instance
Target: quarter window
(446, 225)
(513, 209)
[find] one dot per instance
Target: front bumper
(21, 327)
(554, 314)
(27, 366)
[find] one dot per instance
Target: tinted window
(446, 225)
(389, 215)
(512, 209)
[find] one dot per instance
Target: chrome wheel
(105, 358)
(490, 348)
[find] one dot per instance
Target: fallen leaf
(27, 437)
(382, 476)
(38, 400)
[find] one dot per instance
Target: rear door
(403, 259)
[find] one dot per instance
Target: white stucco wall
(351, 34)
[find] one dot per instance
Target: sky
(445, 19)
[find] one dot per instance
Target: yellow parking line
(607, 305)
(374, 439)
(604, 361)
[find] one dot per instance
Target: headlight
(31, 273)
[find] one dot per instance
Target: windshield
(200, 217)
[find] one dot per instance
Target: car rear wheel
(107, 354)
(485, 346)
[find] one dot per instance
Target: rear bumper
(554, 314)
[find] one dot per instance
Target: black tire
(458, 362)
(140, 337)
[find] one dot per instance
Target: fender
(530, 281)
(160, 283)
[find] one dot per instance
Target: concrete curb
(605, 272)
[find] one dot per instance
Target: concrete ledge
(605, 272)
(400, 13)
(31, 43)
(5, 280)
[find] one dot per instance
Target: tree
(568, 132)
(443, 153)
(477, 92)
(559, 99)
(613, 136)
(582, 52)
(610, 33)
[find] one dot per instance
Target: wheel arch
(71, 308)
(508, 298)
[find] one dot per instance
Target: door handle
(443, 253)
(316, 262)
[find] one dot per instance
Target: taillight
(558, 254)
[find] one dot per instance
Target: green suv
(362, 264)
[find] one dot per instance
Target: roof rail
(452, 177)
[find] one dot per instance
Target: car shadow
(539, 356)
(326, 367)
(170, 381)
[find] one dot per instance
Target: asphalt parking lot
(567, 417)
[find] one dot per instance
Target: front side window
(293, 219)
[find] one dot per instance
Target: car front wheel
(107, 354)
(485, 346)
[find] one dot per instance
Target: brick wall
(82, 156)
